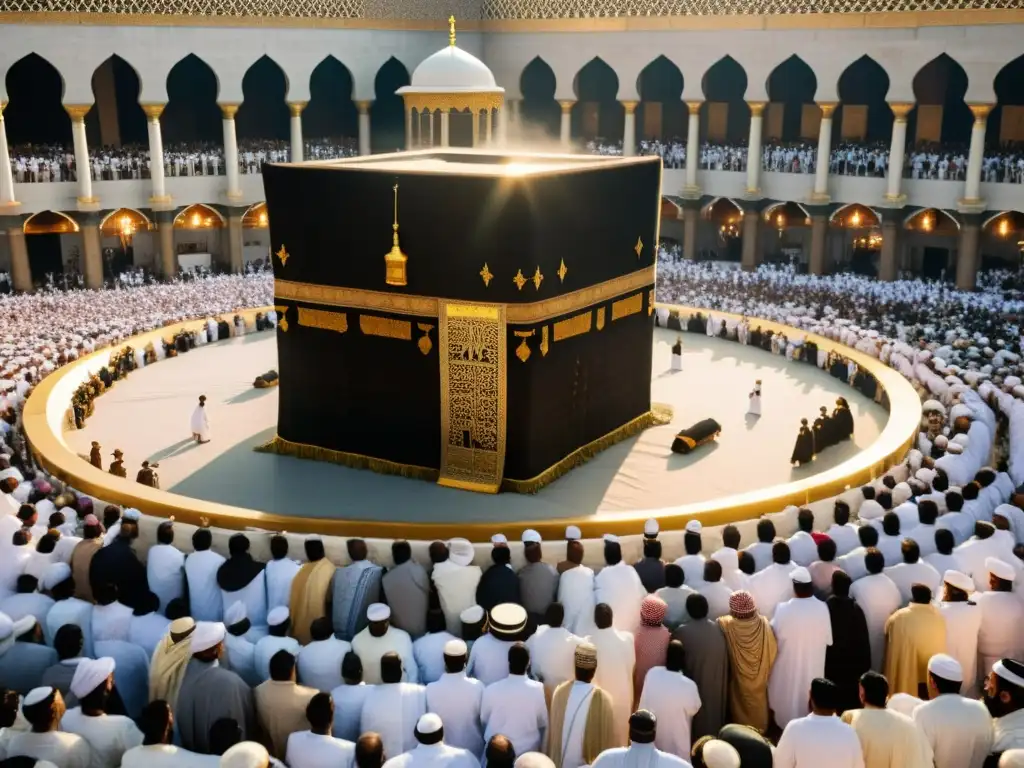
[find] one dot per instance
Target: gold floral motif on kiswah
(321, 318)
(628, 306)
(473, 398)
(573, 326)
(371, 325)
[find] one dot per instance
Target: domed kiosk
(452, 80)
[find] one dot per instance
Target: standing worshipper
(888, 739)
(281, 571)
(43, 708)
(108, 736)
(428, 650)
(774, 584)
(581, 724)
(435, 749)
(576, 589)
(752, 651)
(842, 420)
(319, 662)
(457, 699)
(849, 655)
(959, 729)
(281, 703)
(118, 564)
(823, 431)
(165, 565)
(675, 594)
(455, 578)
(241, 577)
(761, 550)
(963, 626)
(22, 663)
(651, 568)
(538, 581)
(316, 747)
(515, 706)
(803, 450)
(803, 633)
(82, 555)
(644, 746)
(693, 561)
(673, 698)
(392, 708)
(879, 598)
(156, 750)
(1002, 616)
(913, 635)
(650, 642)
(499, 583)
(754, 400)
(201, 568)
(277, 639)
(147, 626)
(488, 658)
(349, 698)
(200, 422)
(912, 571)
(407, 587)
(706, 663)
(619, 586)
(356, 586)
(380, 638)
(239, 649)
(311, 589)
(170, 662)
(1004, 699)
(614, 678)
(552, 650)
(803, 549)
(210, 692)
(820, 738)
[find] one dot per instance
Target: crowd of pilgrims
(33, 163)
(883, 631)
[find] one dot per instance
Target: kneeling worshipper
(109, 736)
(380, 638)
(581, 725)
(803, 451)
(488, 658)
(699, 434)
(209, 692)
(311, 590)
(752, 651)
(431, 751)
(241, 577)
(43, 708)
(392, 708)
(643, 728)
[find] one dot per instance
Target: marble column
(92, 255)
(228, 111)
(476, 127)
(565, 132)
(408, 127)
(6, 176)
(430, 128)
(489, 125)
(972, 184)
(21, 271)
(156, 153)
(235, 240)
(897, 148)
(629, 129)
(824, 152)
(819, 234)
(751, 224)
(691, 218)
(887, 259)
(754, 147)
(82, 166)
(295, 108)
(363, 107)
(503, 117)
(168, 255)
(515, 115)
(445, 117)
(692, 145)
(967, 253)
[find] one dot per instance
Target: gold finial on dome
(451, 30)
(395, 260)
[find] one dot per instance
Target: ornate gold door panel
(473, 400)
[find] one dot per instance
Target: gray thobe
(407, 589)
(209, 693)
(355, 587)
(538, 588)
(707, 664)
(23, 664)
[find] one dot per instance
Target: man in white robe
(281, 570)
(392, 708)
(201, 568)
(913, 570)
(552, 650)
(320, 660)
(428, 650)
(242, 577)
(108, 736)
(1004, 699)
(576, 591)
(803, 631)
(618, 585)
(349, 699)
(644, 750)
(802, 548)
(959, 729)
(277, 639)
(111, 619)
(879, 598)
(456, 579)
(432, 751)
(488, 658)
(614, 678)
(774, 584)
(156, 750)
(200, 422)
(148, 625)
(239, 649)
(515, 706)
(379, 638)
(43, 709)
(66, 609)
(963, 625)
(987, 542)
(457, 699)
(672, 698)
(693, 561)
(316, 747)
(1002, 616)
(820, 738)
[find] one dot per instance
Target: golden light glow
(926, 223)
(1004, 227)
(263, 218)
(515, 169)
(780, 221)
(855, 219)
(198, 216)
(197, 220)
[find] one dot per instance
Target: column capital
(296, 107)
(154, 110)
(980, 112)
(77, 112)
(629, 106)
(693, 107)
(363, 106)
(757, 107)
(828, 108)
(900, 109)
(566, 105)
(229, 110)
(2, 105)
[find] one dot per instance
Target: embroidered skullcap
(959, 580)
(800, 576)
(742, 605)
(573, 533)
(90, 674)
(472, 615)
(693, 526)
(235, 613)
(651, 529)
(1000, 569)
(1010, 670)
(378, 612)
(531, 536)
(586, 656)
(653, 610)
(720, 754)
(207, 634)
(55, 573)
(455, 648)
(245, 754)
(507, 621)
(945, 666)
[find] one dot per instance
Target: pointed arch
(256, 216)
(35, 112)
(113, 223)
(331, 112)
(791, 86)
(597, 114)
(116, 118)
(935, 220)
(1009, 101)
(718, 205)
(724, 115)
(855, 215)
(537, 83)
(1014, 219)
(263, 113)
(192, 114)
(387, 118)
(941, 115)
(49, 223)
(862, 88)
(199, 216)
(662, 113)
(790, 207)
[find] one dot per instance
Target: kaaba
(478, 318)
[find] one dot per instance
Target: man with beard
(1004, 698)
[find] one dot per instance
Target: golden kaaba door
(473, 401)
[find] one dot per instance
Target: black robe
(498, 584)
(811, 353)
(842, 421)
(651, 571)
(803, 451)
(824, 435)
(849, 656)
(755, 338)
(839, 370)
(223, 330)
(117, 564)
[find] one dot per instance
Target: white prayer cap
(925, 475)
(903, 703)
(1003, 670)
(207, 634)
(871, 510)
(693, 526)
(429, 723)
(90, 674)
(378, 612)
(651, 529)
(1011, 758)
(533, 760)
(611, 538)
(800, 575)
(460, 551)
(1018, 391)
(1000, 569)
(573, 533)
(456, 647)
(941, 440)
(945, 666)
(235, 613)
(45, 508)
(280, 615)
(472, 615)
(959, 580)
(959, 410)
(132, 515)
(1011, 381)
(499, 540)
(55, 573)
(954, 448)
(531, 536)
(901, 493)
(11, 630)
(962, 440)
(720, 754)
(37, 695)
(245, 754)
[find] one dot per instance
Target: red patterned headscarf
(652, 611)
